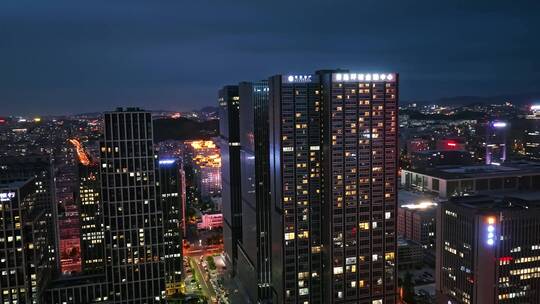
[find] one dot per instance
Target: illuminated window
(289, 236)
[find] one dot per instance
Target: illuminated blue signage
(167, 161)
(298, 78)
(490, 228)
(6, 196)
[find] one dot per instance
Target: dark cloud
(75, 56)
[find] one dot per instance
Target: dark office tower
(531, 139)
(24, 254)
(296, 187)
(40, 168)
(91, 217)
(254, 252)
(133, 216)
(488, 251)
(229, 125)
(170, 183)
(496, 142)
(360, 153)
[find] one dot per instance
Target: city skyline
(167, 55)
(278, 152)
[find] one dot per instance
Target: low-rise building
(211, 221)
(450, 181)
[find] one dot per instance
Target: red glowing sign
(506, 259)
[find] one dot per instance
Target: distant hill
(184, 129)
(517, 99)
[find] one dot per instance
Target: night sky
(59, 57)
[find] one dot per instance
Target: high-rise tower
(229, 129)
(324, 218)
(254, 268)
(296, 185)
(333, 162)
(170, 185)
(360, 163)
(133, 215)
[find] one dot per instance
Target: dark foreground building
(331, 198)
(41, 168)
(25, 261)
(133, 214)
(488, 251)
(254, 267)
(229, 145)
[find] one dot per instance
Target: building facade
(296, 187)
(360, 169)
(25, 261)
(496, 142)
(229, 143)
(254, 266)
(450, 181)
(41, 168)
(416, 222)
(91, 218)
(206, 160)
(531, 140)
(333, 239)
(170, 185)
(133, 213)
(488, 251)
(76, 290)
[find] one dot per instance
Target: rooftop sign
(367, 77)
(298, 78)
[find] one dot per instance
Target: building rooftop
(503, 202)
(410, 198)
(12, 184)
(481, 171)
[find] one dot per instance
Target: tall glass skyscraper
(254, 268)
(170, 185)
(133, 215)
(229, 144)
